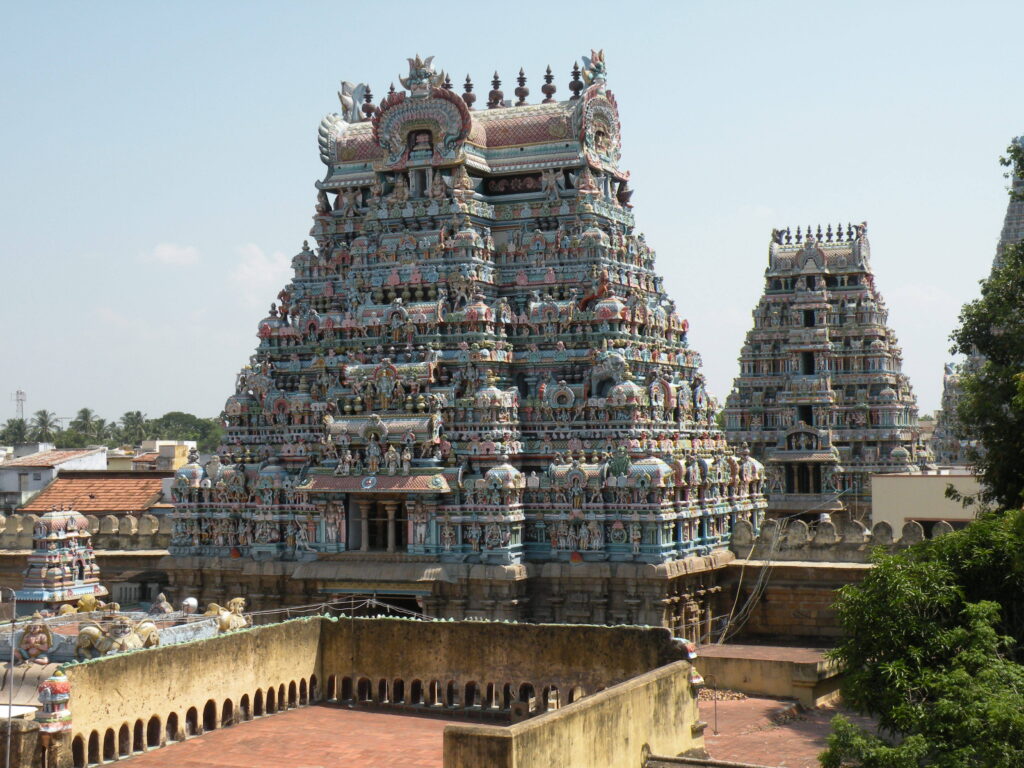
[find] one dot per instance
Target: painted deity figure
(36, 642)
(373, 456)
(447, 536)
(636, 534)
(392, 460)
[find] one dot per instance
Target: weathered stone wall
(791, 600)
(653, 713)
(488, 654)
(172, 691)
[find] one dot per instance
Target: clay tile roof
(151, 456)
(48, 458)
(100, 492)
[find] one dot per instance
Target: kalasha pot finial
(468, 96)
(495, 97)
(522, 91)
(576, 84)
(549, 88)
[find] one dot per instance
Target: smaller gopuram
(821, 395)
(949, 447)
(62, 566)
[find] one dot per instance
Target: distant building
(900, 498)
(166, 455)
(104, 492)
(30, 471)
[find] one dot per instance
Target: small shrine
(62, 567)
(54, 716)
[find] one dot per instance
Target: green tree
(989, 409)
(104, 431)
(134, 427)
(14, 431)
(178, 425)
(931, 648)
(83, 421)
(45, 426)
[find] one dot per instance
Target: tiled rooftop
(48, 458)
(100, 492)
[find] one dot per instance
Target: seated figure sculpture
(36, 642)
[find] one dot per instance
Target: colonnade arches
(494, 697)
(133, 738)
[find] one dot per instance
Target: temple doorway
(378, 525)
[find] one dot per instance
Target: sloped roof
(49, 458)
(100, 492)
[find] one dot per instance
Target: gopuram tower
(474, 398)
(821, 396)
(952, 446)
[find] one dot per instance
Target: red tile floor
(749, 731)
(311, 737)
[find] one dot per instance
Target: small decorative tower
(54, 716)
(821, 395)
(62, 567)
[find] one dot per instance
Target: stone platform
(786, 672)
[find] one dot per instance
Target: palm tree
(134, 427)
(83, 421)
(44, 425)
(14, 431)
(102, 431)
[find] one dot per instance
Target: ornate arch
(443, 113)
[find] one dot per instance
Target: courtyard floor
(311, 737)
(760, 731)
(769, 732)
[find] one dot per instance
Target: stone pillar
(391, 507)
(364, 525)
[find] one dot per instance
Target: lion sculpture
(231, 617)
(122, 635)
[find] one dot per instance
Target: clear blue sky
(158, 161)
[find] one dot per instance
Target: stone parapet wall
(120, 532)
(851, 542)
(653, 713)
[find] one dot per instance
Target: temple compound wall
(580, 691)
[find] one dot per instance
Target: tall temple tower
(821, 396)
(951, 445)
(474, 394)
